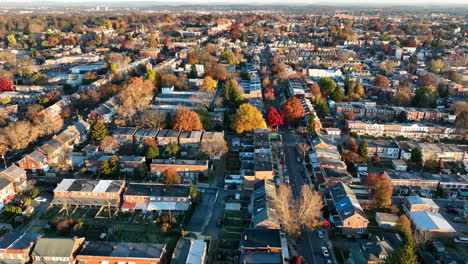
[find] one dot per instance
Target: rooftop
(157, 190)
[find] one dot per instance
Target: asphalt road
(310, 245)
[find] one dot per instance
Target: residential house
(263, 246)
(189, 250)
(385, 220)
(188, 170)
(16, 247)
(7, 190)
(351, 217)
(16, 175)
(384, 149)
(416, 203)
(153, 196)
(262, 162)
(377, 250)
(263, 211)
(105, 111)
(124, 135)
(34, 161)
(83, 192)
(190, 139)
(52, 150)
(146, 136)
(167, 136)
(121, 252)
(127, 163)
(56, 250)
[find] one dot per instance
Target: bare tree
(303, 148)
(214, 148)
(109, 144)
(152, 119)
(309, 208)
(282, 203)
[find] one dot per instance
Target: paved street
(310, 244)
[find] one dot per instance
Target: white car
(325, 251)
(461, 240)
(40, 199)
(329, 261)
(320, 234)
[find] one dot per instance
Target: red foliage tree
(382, 189)
(293, 110)
(297, 260)
(274, 118)
(269, 94)
(53, 41)
(6, 84)
(427, 81)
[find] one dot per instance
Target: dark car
(452, 211)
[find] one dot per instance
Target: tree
(350, 116)
(194, 193)
(152, 119)
(312, 125)
(303, 213)
(186, 120)
(109, 144)
(461, 113)
(246, 119)
(4, 146)
(327, 85)
(111, 168)
(404, 224)
(269, 94)
(337, 95)
(229, 57)
(214, 149)
(351, 145)
(402, 98)
(98, 131)
(436, 66)
(23, 66)
(303, 148)
(455, 77)
(382, 189)
(205, 119)
(193, 71)
(152, 152)
(416, 155)
(363, 150)
(172, 148)
(297, 260)
(425, 97)
(170, 177)
(293, 110)
(315, 89)
(406, 253)
(387, 67)
(402, 117)
(209, 85)
(219, 72)
(6, 84)
(20, 134)
(274, 118)
(427, 81)
(40, 79)
(233, 93)
(11, 40)
(381, 80)
(153, 42)
(322, 106)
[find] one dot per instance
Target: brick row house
(92, 193)
(152, 196)
(262, 208)
(188, 170)
(127, 163)
(347, 213)
(15, 247)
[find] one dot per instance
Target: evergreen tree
(98, 131)
(193, 71)
(416, 155)
(406, 253)
(363, 150)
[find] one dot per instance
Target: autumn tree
(293, 110)
(214, 148)
(135, 96)
(436, 66)
(312, 123)
(427, 81)
(363, 150)
(98, 131)
(20, 134)
(170, 177)
(152, 119)
(350, 116)
(186, 120)
(309, 208)
(321, 106)
(315, 89)
(401, 98)
(246, 119)
(40, 79)
(274, 118)
(6, 84)
(218, 72)
(152, 152)
(233, 93)
(455, 77)
(382, 189)
(351, 145)
(387, 67)
(461, 121)
(209, 85)
(172, 148)
(381, 80)
(4, 146)
(269, 94)
(109, 144)
(404, 224)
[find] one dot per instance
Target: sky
(331, 2)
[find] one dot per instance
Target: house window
(104, 262)
(360, 230)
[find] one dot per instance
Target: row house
(263, 212)
(34, 161)
(127, 163)
(383, 149)
(159, 197)
(15, 247)
(260, 245)
(105, 111)
(167, 136)
(99, 252)
(7, 190)
(188, 170)
(56, 250)
(190, 250)
(145, 136)
(124, 135)
(415, 130)
(351, 218)
(16, 175)
(190, 139)
(82, 192)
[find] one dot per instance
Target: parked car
(461, 240)
(325, 251)
(458, 219)
(320, 233)
(329, 261)
(452, 211)
(40, 199)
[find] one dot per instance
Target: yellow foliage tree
(247, 118)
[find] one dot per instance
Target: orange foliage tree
(186, 120)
